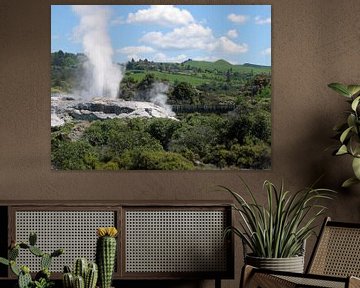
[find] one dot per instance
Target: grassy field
(222, 65)
(194, 80)
(211, 72)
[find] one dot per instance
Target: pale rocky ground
(65, 109)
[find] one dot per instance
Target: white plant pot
(291, 264)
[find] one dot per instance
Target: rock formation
(65, 109)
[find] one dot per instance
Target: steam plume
(102, 75)
(157, 95)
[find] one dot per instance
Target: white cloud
(55, 37)
(267, 51)
(167, 15)
(261, 20)
(193, 36)
(136, 50)
(237, 18)
(232, 33)
(224, 44)
(161, 57)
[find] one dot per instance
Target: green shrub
(154, 160)
(77, 155)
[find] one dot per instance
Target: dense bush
(144, 159)
(77, 155)
(240, 139)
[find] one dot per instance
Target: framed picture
(160, 87)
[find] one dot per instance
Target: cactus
(36, 251)
(44, 273)
(23, 273)
(13, 253)
(79, 282)
(105, 254)
(80, 267)
(89, 272)
(24, 280)
(57, 253)
(67, 269)
(45, 261)
(14, 268)
(32, 238)
(91, 276)
(68, 280)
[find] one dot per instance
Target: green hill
(223, 66)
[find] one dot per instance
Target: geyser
(102, 76)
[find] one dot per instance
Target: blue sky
(173, 33)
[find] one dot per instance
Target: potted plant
(84, 274)
(42, 278)
(348, 132)
(276, 233)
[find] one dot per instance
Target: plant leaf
(356, 167)
(349, 182)
(4, 261)
(351, 120)
(355, 103)
(353, 89)
(342, 150)
(340, 88)
(345, 134)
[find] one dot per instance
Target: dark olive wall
(314, 42)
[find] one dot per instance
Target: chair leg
(246, 274)
(250, 278)
(354, 282)
(217, 283)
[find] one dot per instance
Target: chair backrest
(337, 251)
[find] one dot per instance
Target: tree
(78, 155)
(147, 83)
(184, 92)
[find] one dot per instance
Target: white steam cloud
(102, 75)
(157, 95)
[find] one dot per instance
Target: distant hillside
(223, 66)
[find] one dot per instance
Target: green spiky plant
(348, 132)
(279, 229)
(85, 275)
(106, 254)
(42, 278)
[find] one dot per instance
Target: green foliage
(42, 278)
(142, 159)
(252, 155)
(197, 134)
(43, 283)
(349, 132)
(85, 274)
(240, 139)
(105, 259)
(185, 93)
(65, 71)
(279, 229)
(77, 155)
(147, 82)
(223, 66)
(162, 129)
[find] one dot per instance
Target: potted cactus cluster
(87, 274)
(42, 278)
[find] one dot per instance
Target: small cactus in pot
(85, 275)
(106, 254)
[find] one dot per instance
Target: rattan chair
(334, 263)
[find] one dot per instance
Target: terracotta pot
(291, 264)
